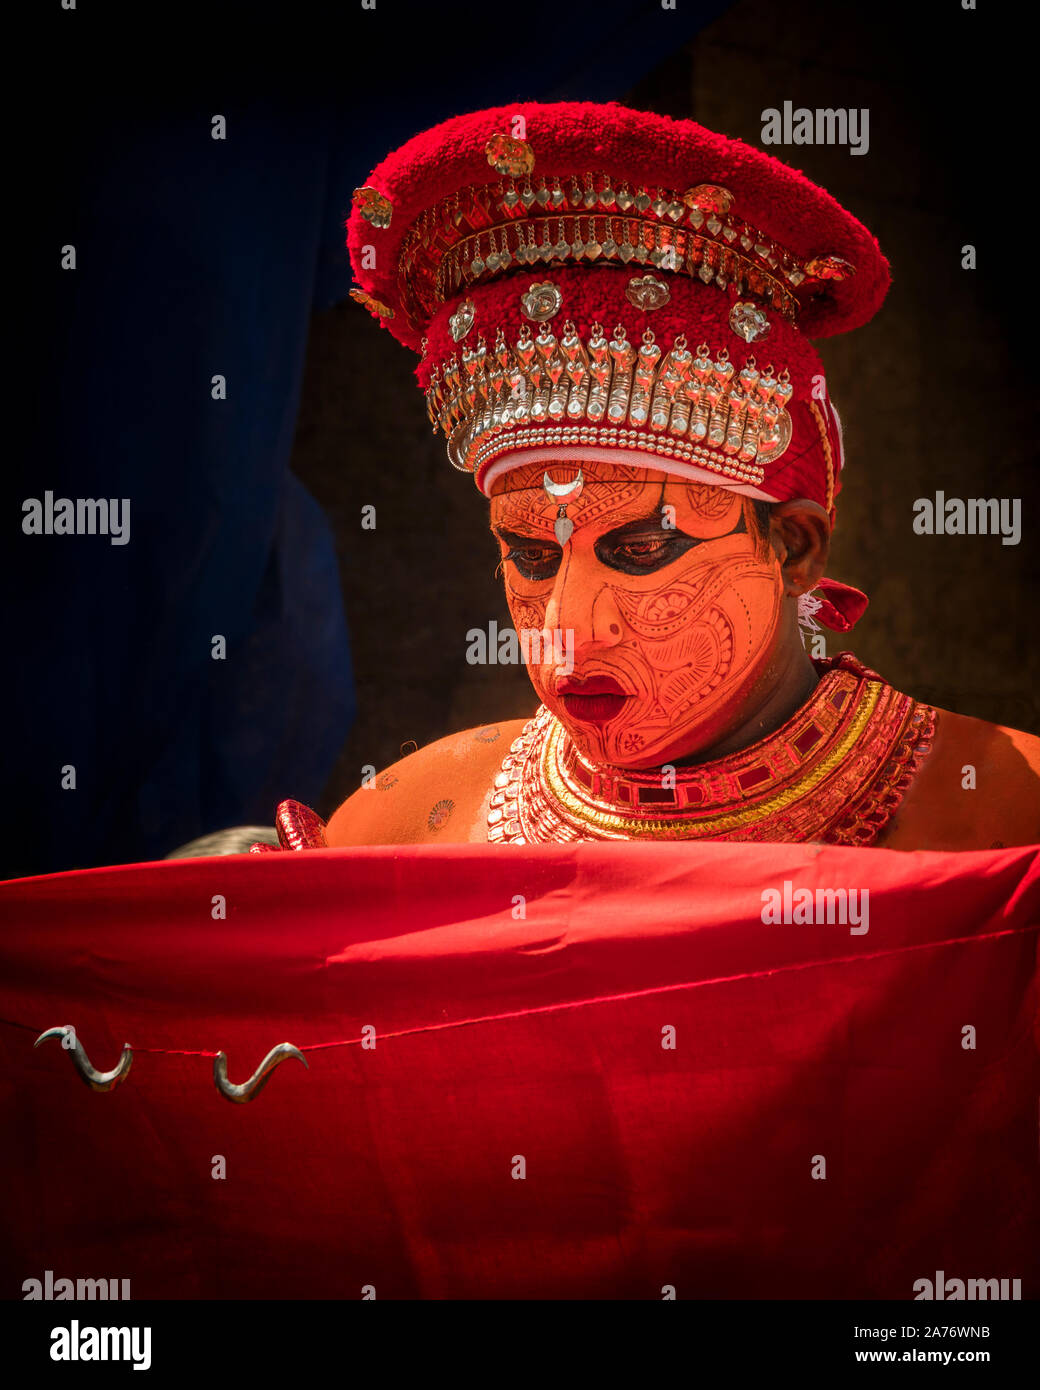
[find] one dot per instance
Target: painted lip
(594, 701)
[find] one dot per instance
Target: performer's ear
(800, 532)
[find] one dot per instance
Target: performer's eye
(643, 546)
(535, 561)
(643, 554)
(646, 553)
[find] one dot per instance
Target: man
(583, 1071)
(612, 309)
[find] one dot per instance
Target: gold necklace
(834, 773)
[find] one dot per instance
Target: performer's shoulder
(998, 750)
(435, 794)
(979, 787)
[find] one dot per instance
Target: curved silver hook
(250, 1089)
(96, 1080)
(563, 492)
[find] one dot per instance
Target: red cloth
(842, 605)
(541, 1037)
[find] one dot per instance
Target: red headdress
(584, 277)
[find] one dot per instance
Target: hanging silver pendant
(563, 493)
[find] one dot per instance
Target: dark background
(198, 257)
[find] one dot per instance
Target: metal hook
(248, 1090)
(96, 1080)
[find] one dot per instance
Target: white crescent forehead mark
(563, 492)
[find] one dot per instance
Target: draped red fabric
(597, 1072)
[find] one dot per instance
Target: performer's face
(670, 597)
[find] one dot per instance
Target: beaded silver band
(484, 451)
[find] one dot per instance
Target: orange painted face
(666, 600)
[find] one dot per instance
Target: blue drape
(198, 258)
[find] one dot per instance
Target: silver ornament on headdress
(564, 494)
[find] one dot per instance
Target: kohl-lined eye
(535, 561)
(643, 546)
(644, 552)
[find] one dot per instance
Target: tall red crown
(587, 275)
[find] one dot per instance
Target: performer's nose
(583, 603)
